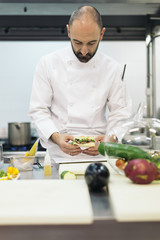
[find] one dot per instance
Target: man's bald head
(86, 12)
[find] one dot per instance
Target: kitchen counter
(7, 154)
(104, 226)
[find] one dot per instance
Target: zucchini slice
(68, 175)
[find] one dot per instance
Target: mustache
(85, 58)
(79, 54)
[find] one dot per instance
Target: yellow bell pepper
(33, 150)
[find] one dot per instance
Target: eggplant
(96, 176)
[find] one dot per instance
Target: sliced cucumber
(68, 175)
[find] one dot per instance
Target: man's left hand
(93, 151)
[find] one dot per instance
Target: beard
(85, 58)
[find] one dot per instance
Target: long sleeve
(40, 102)
(119, 105)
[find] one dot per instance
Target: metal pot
(19, 134)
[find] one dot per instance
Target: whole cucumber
(127, 152)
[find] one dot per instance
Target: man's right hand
(62, 141)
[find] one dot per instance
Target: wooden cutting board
(45, 202)
(134, 202)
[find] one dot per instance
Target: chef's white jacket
(69, 96)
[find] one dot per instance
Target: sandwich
(83, 141)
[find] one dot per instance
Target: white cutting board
(76, 168)
(134, 202)
(45, 202)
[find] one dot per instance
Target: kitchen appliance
(144, 133)
(7, 147)
(19, 134)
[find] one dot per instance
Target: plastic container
(47, 165)
(23, 163)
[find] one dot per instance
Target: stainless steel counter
(7, 154)
(104, 226)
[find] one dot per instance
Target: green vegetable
(83, 139)
(2, 173)
(101, 148)
(127, 152)
(68, 175)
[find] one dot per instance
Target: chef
(73, 88)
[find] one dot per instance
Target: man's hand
(111, 138)
(93, 151)
(62, 141)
